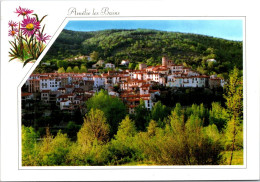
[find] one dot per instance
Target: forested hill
(149, 46)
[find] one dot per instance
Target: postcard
(109, 90)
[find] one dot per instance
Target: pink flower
(42, 37)
(23, 11)
(29, 26)
(12, 24)
(12, 32)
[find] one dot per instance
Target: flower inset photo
(28, 37)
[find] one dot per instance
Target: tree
(76, 69)
(94, 56)
(69, 70)
(83, 69)
(122, 149)
(61, 70)
(151, 129)
(131, 66)
(218, 115)
(113, 108)
(159, 112)
(29, 146)
(91, 140)
(234, 104)
(177, 120)
(204, 147)
(126, 129)
(141, 116)
(53, 150)
(94, 128)
(60, 63)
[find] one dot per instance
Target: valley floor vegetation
(190, 135)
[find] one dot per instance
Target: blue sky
(226, 29)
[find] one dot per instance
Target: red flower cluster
(13, 30)
(42, 37)
(28, 36)
(23, 11)
(29, 26)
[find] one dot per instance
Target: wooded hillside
(149, 46)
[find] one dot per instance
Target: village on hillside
(70, 91)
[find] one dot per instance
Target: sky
(226, 29)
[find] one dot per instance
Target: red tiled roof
(97, 76)
(63, 96)
(44, 78)
(132, 100)
(145, 95)
(24, 94)
(64, 101)
(152, 91)
(69, 86)
(46, 91)
(145, 85)
(130, 95)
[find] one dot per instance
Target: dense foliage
(113, 108)
(148, 46)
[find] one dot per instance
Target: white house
(212, 60)
(27, 96)
(98, 81)
(65, 104)
(193, 81)
(109, 65)
(112, 93)
(125, 62)
(47, 83)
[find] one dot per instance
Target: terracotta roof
(69, 86)
(46, 91)
(64, 101)
(130, 95)
(145, 85)
(63, 96)
(24, 94)
(132, 100)
(96, 76)
(44, 78)
(145, 95)
(152, 91)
